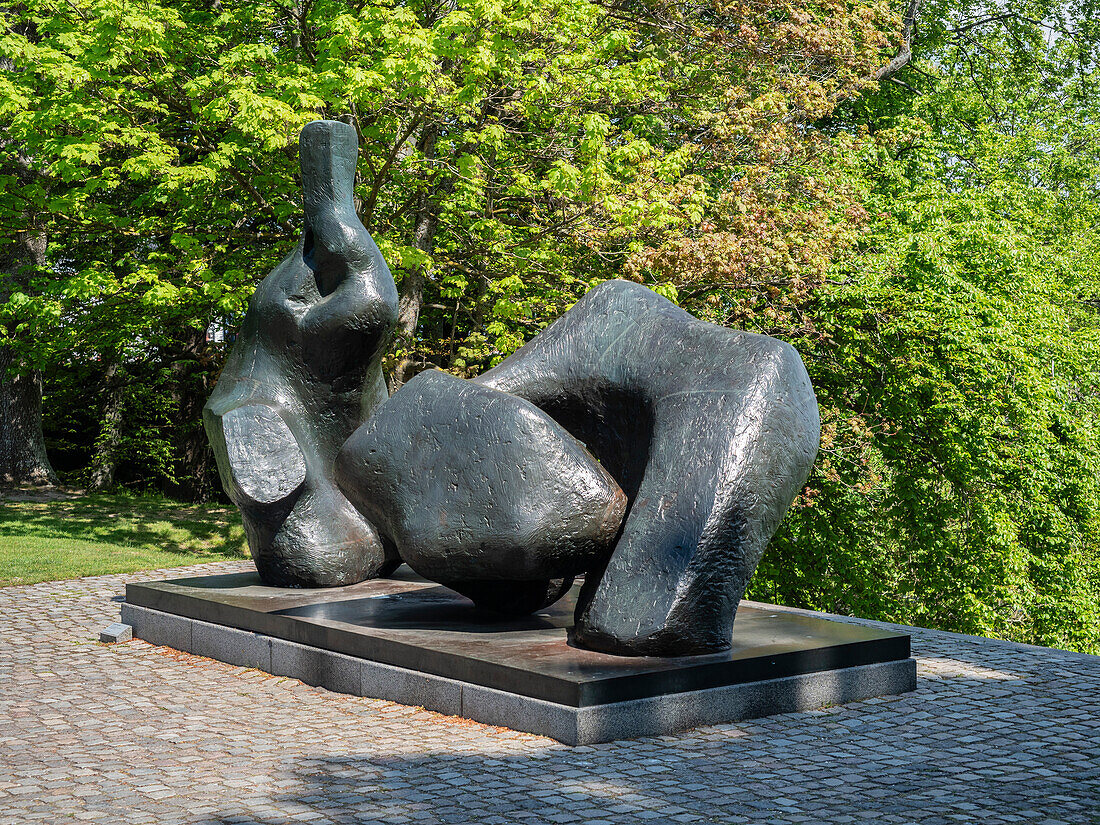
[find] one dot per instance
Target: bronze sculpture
(629, 442)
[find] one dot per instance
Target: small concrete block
(116, 632)
(158, 628)
(408, 687)
(314, 666)
(227, 644)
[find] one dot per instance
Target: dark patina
(629, 442)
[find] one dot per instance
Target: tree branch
(905, 50)
(380, 175)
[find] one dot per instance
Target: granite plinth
(412, 641)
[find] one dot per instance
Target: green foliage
(72, 409)
(957, 362)
(512, 153)
(958, 481)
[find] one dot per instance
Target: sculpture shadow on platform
(629, 442)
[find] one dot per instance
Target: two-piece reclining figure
(628, 442)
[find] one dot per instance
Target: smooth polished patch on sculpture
(481, 490)
(262, 455)
(701, 435)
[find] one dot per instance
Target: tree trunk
(905, 48)
(411, 296)
(194, 370)
(105, 460)
(22, 448)
(408, 316)
(23, 457)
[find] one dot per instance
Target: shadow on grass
(128, 521)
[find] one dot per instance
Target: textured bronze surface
(482, 491)
(628, 441)
(711, 432)
(301, 377)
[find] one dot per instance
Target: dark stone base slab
(411, 641)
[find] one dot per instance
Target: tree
(23, 457)
(512, 154)
(956, 356)
(908, 195)
(22, 256)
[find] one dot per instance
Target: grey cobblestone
(136, 733)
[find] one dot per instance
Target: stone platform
(412, 641)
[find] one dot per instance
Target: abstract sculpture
(303, 374)
(699, 435)
(481, 491)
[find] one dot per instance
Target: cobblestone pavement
(136, 733)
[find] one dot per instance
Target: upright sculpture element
(506, 487)
(303, 374)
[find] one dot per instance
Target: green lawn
(45, 540)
